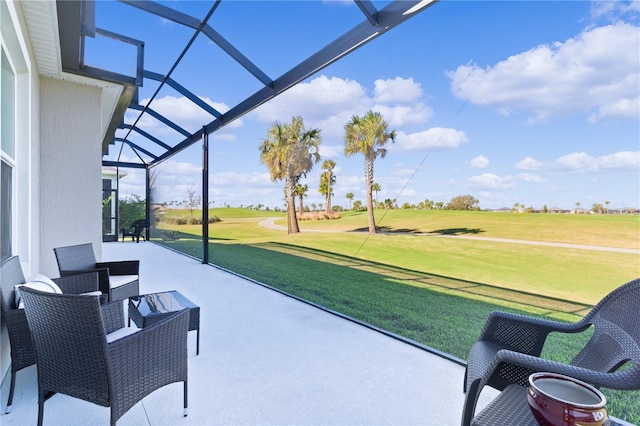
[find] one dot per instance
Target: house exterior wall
(70, 169)
(25, 190)
(56, 182)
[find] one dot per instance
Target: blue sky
(536, 103)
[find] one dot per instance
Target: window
(7, 143)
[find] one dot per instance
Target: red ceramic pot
(558, 400)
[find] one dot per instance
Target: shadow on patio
(266, 358)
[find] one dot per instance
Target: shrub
(319, 216)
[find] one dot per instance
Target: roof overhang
(55, 52)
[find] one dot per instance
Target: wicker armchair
(76, 357)
(510, 346)
(22, 355)
(117, 279)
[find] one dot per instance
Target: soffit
(42, 25)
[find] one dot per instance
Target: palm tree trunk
(369, 174)
(292, 219)
(329, 179)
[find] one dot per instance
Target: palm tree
(300, 191)
(289, 152)
(327, 179)
(350, 196)
(375, 187)
(367, 135)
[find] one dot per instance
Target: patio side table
(512, 408)
(147, 309)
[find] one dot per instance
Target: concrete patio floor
(267, 359)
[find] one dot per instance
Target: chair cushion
(120, 333)
(38, 282)
(116, 281)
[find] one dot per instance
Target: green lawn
(437, 291)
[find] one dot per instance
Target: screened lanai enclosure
(161, 53)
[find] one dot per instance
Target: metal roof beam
(136, 147)
(146, 135)
(137, 43)
(389, 17)
(369, 11)
(161, 118)
(237, 55)
(109, 163)
(189, 21)
(177, 86)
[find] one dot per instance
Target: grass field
(437, 291)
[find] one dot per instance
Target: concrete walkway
(267, 359)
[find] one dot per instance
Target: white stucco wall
(70, 169)
(58, 185)
(25, 239)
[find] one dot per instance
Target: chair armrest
(78, 283)
(112, 316)
(124, 267)
(103, 277)
(523, 333)
(150, 358)
(613, 380)
(17, 325)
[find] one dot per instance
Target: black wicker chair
(74, 356)
(118, 279)
(22, 355)
(510, 346)
(135, 230)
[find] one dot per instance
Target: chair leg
(11, 389)
(41, 399)
(185, 400)
(470, 402)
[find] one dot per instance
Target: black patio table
(147, 309)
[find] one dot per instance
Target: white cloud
(592, 72)
(491, 181)
(433, 138)
(479, 162)
(628, 160)
(397, 90)
(623, 108)
(316, 100)
(330, 151)
(583, 162)
(614, 9)
(529, 177)
(328, 103)
(175, 168)
(528, 163)
(401, 115)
